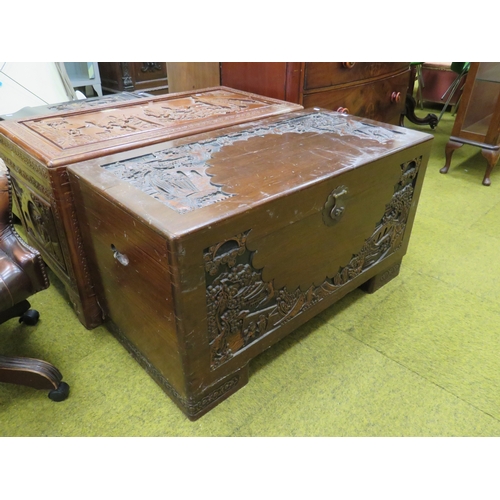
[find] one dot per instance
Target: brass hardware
(334, 208)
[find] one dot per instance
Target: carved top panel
(141, 121)
(181, 177)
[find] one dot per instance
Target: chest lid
(69, 136)
(183, 185)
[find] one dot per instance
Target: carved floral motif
(25, 158)
(241, 307)
(150, 67)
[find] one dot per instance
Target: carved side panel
(38, 222)
(242, 307)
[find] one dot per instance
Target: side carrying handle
(120, 257)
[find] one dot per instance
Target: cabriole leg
(450, 148)
(492, 159)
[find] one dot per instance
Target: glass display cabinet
(478, 118)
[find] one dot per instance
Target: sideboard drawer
(327, 74)
(382, 100)
(148, 75)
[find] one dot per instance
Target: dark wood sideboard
(371, 90)
(150, 77)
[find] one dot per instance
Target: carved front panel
(242, 306)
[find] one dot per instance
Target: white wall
(29, 84)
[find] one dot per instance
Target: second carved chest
(38, 149)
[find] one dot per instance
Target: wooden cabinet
(370, 90)
(150, 77)
(478, 118)
(210, 249)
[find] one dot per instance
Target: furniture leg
(23, 311)
(198, 405)
(382, 278)
(450, 148)
(15, 312)
(193, 404)
(34, 373)
(410, 104)
(492, 159)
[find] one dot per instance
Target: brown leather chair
(22, 274)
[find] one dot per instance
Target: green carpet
(418, 358)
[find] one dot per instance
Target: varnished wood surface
(29, 372)
(207, 287)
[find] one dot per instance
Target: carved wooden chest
(207, 250)
(38, 149)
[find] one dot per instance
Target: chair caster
(30, 317)
(61, 393)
